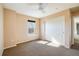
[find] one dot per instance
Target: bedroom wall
(22, 28)
(1, 30)
(9, 28)
(67, 15)
(15, 28)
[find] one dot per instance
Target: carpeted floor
(75, 46)
(39, 48)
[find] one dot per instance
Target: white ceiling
(31, 9)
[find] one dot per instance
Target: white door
(55, 30)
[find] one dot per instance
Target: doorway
(75, 28)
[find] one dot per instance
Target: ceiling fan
(41, 7)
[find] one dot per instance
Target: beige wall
(22, 28)
(15, 28)
(76, 13)
(9, 28)
(67, 15)
(1, 30)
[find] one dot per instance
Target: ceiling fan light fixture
(42, 7)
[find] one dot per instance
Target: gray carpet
(39, 48)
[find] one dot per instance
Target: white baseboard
(1, 52)
(9, 46)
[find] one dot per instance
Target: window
(78, 28)
(31, 26)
